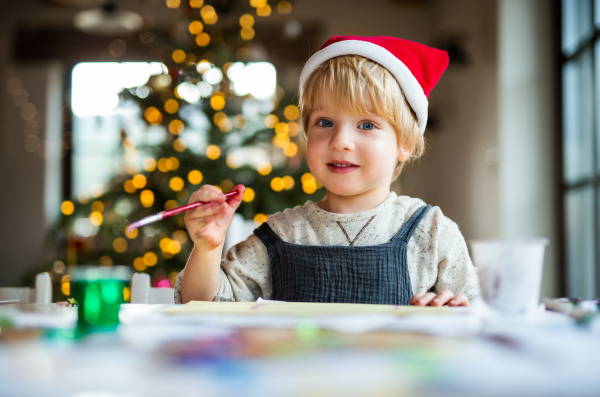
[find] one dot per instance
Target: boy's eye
(325, 123)
(367, 125)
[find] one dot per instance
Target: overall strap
(266, 234)
(410, 226)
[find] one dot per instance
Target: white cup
(510, 273)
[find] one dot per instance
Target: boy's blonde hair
(350, 79)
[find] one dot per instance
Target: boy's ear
(403, 153)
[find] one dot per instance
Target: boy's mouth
(341, 167)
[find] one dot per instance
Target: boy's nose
(341, 140)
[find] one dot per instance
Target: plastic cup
(510, 273)
(99, 292)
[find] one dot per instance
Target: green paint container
(99, 295)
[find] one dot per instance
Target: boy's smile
(341, 167)
(352, 155)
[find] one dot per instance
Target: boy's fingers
(415, 298)
(460, 300)
(425, 299)
(442, 298)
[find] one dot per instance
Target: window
(581, 144)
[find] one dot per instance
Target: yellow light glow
(307, 176)
(282, 128)
(126, 294)
(225, 125)
(150, 259)
(65, 288)
(291, 112)
(247, 33)
(170, 204)
(290, 150)
(174, 247)
(119, 245)
(97, 206)
(213, 152)
(164, 165)
(105, 261)
(147, 198)
(281, 140)
(131, 234)
(179, 145)
(271, 121)
(139, 265)
(218, 117)
(263, 11)
(258, 3)
(294, 128)
(284, 7)
(208, 14)
(181, 236)
(217, 101)
(96, 218)
(203, 39)
(264, 168)
(67, 207)
(173, 3)
(128, 186)
(277, 184)
(139, 181)
(164, 244)
(288, 182)
(246, 21)
(189, 59)
(176, 127)
(149, 164)
(249, 194)
(178, 56)
(171, 106)
(195, 27)
(173, 163)
(176, 184)
(226, 185)
(260, 218)
(153, 115)
(310, 186)
(195, 177)
(196, 3)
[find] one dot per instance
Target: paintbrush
(167, 213)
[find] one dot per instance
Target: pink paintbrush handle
(167, 213)
(175, 211)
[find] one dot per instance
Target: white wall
(527, 127)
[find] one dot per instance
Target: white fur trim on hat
(410, 86)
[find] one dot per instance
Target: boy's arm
(201, 279)
(455, 268)
(244, 274)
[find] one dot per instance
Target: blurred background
(113, 110)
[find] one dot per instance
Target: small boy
(363, 103)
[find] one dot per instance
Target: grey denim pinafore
(375, 274)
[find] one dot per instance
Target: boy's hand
(208, 223)
(446, 297)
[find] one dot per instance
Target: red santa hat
(417, 67)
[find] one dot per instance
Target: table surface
(284, 349)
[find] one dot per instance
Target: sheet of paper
(299, 308)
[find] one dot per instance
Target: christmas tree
(218, 126)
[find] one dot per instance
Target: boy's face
(352, 155)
